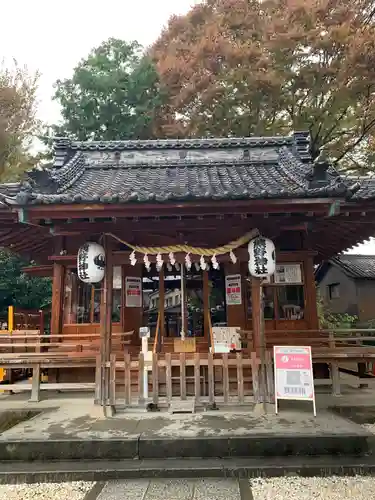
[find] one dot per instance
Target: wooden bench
(38, 361)
(327, 347)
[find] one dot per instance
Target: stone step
(149, 446)
(101, 470)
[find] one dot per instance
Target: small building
(347, 286)
(179, 215)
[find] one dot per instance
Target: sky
(52, 36)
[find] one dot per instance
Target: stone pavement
(178, 489)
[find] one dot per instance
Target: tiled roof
(178, 170)
(357, 266)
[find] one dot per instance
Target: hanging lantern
(91, 263)
(262, 261)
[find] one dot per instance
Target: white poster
(288, 273)
(226, 338)
(133, 291)
(293, 374)
(233, 290)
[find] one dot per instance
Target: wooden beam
(106, 329)
(194, 208)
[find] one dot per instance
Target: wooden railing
(205, 378)
(157, 334)
(26, 341)
(314, 338)
(36, 362)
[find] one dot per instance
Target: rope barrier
(206, 252)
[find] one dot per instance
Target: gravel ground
(45, 491)
(317, 488)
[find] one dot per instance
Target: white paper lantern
(91, 263)
(262, 262)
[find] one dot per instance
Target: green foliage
(113, 94)
(329, 320)
(19, 290)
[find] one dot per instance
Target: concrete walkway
(181, 489)
(67, 416)
(70, 427)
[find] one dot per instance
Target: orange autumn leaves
(240, 67)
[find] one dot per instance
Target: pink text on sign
(300, 361)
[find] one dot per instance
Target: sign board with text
(133, 291)
(294, 378)
(233, 290)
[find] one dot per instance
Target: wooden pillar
(311, 310)
(236, 314)
(161, 303)
(106, 329)
(206, 306)
(123, 298)
(131, 317)
(256, 291)
(58, 286)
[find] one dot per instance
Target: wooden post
(141, 367)
(197, 377)
(311, 313)
(183, 375)
(106, 329)
(256, 291)
(211, 379)
(240, 386)
(155, 379)
(127, 381)
(168, 376)
(206, 306)
(255, 376)
(123, 299)
(334, 369)
(35, 388)
(236, 314)
(98, 375)
(161, 304)
(92, 304)
(58, 284)
(225, 378)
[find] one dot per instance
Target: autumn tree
(18, 123)
(243, 67)
(113, 94)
